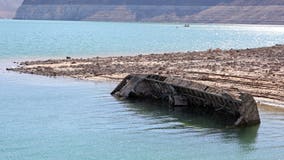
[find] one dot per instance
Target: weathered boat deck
(235, 110)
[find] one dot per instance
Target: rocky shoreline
(258, 71)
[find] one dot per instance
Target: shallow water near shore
(61, 118)
(47, 118)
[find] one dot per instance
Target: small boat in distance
(186, 25)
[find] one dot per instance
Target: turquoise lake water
(61, 118)
(56, 38)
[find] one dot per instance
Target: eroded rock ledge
(193, 11)
(259, 71)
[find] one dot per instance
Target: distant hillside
(192, 11)
(244, 11)
(8, 8)
(127, 2)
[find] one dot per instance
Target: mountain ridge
(189, 11)
(8, 8)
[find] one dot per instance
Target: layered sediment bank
(258, 71)
(193, 11)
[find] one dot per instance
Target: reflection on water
(188, 122)
(247, 137)
(251, 141)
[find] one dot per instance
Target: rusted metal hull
(198, 98)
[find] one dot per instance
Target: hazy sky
(8, 8)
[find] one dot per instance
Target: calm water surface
(51, 119)
(56, 38)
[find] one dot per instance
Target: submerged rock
(233, 110)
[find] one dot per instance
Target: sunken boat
(233, 109)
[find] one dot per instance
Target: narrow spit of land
(258, 71)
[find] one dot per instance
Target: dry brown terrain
(259, 71)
